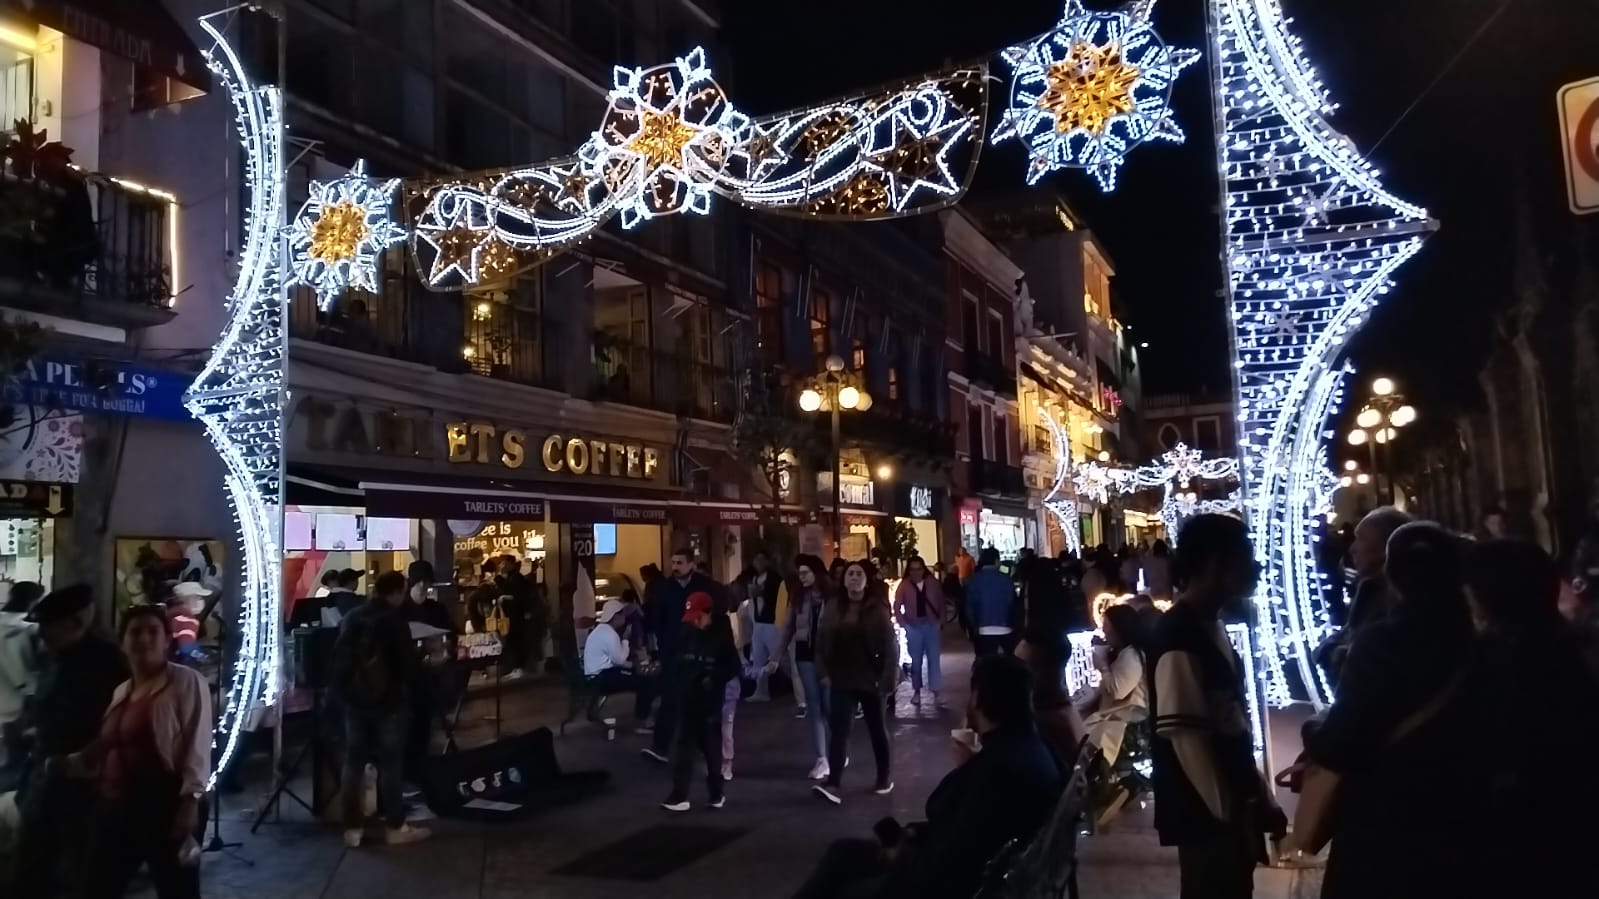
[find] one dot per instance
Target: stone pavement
(785, 827)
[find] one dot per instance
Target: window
(1001, 441)
(859, 327)
(969, 321)
(768, 312)
(821, 320)
(504, 329)
(974, 432)
(893, 362)
(596, 30)
(996, 335)
(1207, 433)
(320, 67)
(404, 26)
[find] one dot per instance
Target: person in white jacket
(1121, 698)
(19, 669)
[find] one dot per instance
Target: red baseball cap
(698, 603)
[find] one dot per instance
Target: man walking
(768, 598)
(707, 662)
(1368, 553)
(375, 667)
(1209, 798)
(990, 598)
(665, 614)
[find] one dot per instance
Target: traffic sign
(1579, 136)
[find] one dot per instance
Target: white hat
(611, 609)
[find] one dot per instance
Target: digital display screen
(388, 534)
(335, 532)
(297, 528)
(605, 539)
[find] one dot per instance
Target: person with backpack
(375, 666)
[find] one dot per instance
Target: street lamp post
(1379, 423)
(835, 390)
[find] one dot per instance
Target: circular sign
(1585, 140)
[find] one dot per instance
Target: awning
(138, 30)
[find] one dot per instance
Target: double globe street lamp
(1378, 424)
(835, 390)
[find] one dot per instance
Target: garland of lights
(1312, 239)
(1091, 90)
(238, 396)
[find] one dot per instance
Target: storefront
(917, 506)
(861, 516)
(1005, 527)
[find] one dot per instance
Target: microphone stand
(214, 798)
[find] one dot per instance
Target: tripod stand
(213, 799)
(286, 774)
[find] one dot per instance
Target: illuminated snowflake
(335, 238)
(1088, 92)
(665, 139)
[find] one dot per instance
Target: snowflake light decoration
(665, 139)
(337, 235)
(1088, 92)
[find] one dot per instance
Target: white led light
(238, 397)
(335, 238)
(1091, 90)
(1312, 239)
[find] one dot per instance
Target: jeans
(816, 711)
(763, 648)
(699, 733)
(666, 715)
(376, 736)
(620, 680)
(841, 714)
(849, 868)
(730, 698)
(923, 639)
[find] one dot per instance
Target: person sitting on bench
(609, 665)
(1003, 788)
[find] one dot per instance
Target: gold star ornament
(1089, 88)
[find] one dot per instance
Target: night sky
(1485, 134)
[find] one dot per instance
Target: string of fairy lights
(1311, 242)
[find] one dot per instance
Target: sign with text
(115, 388)
(34, 499)
(464, 506)
(1579, 136)
(852, 491)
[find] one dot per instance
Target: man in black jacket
(1001, 792)
(665, 620)
(706, 661)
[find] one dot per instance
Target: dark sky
(1486, 133)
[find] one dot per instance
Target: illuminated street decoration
(335, 238)
(238, 398)
(1312, 239)
(1091, 90)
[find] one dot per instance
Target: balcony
(991, 372)
(504, 342)
(897, 430)
(85, 246)
(996, 479)
(639, 375)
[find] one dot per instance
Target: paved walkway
(785, 828)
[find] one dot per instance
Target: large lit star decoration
(911, 144)
(335, 238)
(664, 140)
(1090, 91)
(459, 236)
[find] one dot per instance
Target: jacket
(665, 610)
(75, 687)
(990, 596)
(769, 601)
(706, 661)
(18, 663)
(802, 624)
(859, 654)
(906, 606)
(180, 721)
(1005, 792)
(374, 659)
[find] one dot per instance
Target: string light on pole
(1312, 240)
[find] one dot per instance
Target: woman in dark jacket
(857, 660)
(1398, 737)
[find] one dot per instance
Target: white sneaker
(801, 712)
(682, 805)
(405, 833)
(650, 753)
(727, 772)
(515, 674)
(827, 793)
(353, 837)
(719, 802)
(885, 789)
(820, 770)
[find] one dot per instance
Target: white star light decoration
(1090, 91)
(337, 235)
(920, 135)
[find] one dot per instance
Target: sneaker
(644, 730)
(828, 793)
(859, 713)
(650, 753)
(916, 697)
(801, 712)
(679, 805)
(405, 833)
(719, 802)
(353, 837)
(727, 772)
(883, 789)
(820, 770)
(516, 673)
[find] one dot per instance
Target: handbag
(1318, 786)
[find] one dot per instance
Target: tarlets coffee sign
(484, 444)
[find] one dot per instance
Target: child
(706, 663)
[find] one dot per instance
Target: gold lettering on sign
(633, 470)
(455, 438)
(577, 456)
(597, 456)
(514, 444)
(652, 461)
(484, 433)
(552, 452)
(618, 459)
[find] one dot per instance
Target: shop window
(821, 321)
(27, 550)
(768, 312)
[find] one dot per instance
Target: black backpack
(367, 679)
(1044, 867)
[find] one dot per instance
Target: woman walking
(919, 608)
(857, 661)
(150, 765)
(801, 627)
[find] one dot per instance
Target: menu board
(388, 534)
(297, 527)
(337, 532)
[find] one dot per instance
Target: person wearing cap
(664, 620)
(608, 661)
(81, 671)
(707, 661)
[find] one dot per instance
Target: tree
(768, 438)
(899, 544)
